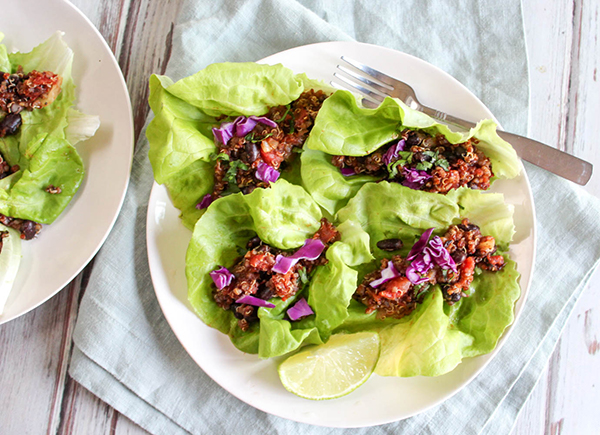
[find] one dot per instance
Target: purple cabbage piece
(243, 126)
(440, 255)
(299, 309)
(311, 250)
(392, 153)
(424, 255)
(240, 127)
(414, 179)
(252, 300)
(346, 172)
(420, 245)
(225, 131)
(221, 277)
(206, 201)
(265, 172)
(387, 274)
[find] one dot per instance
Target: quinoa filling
(399, 296)
(424, 162)
(239, 162)
(253, 275)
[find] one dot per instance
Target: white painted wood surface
(36, 394)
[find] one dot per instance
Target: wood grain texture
(562, 41)
(38, 397)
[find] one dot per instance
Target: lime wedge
(10, 258)
(333, 369)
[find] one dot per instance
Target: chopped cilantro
(234, 166)
(303, 276)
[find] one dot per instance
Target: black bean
(390, 244)
(28, 230)
(253, 242)
(455, 297)
(413, 139)
(252, 152)
(459, 256)
(469, 227)
(10, 124)
(265, 293)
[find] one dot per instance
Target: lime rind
(333, 369)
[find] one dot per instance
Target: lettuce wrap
(182, 146)
(434, 338)
(283, 216)
(43, 146)
(344, 127)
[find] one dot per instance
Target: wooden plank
(34, 351)
(563, 65)
(139, 33)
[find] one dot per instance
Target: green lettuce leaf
(177, 134)
(239, 88)
(343, 127)
(283, 216)
(435, 337)
(51, 161)
(42, 148)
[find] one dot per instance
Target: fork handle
(558, 162)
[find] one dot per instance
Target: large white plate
(255, 381)
(62, 249)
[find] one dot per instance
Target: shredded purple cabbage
(252, 300)
(221, 277)
(414, 179)
(311, 250)
(420, 245)
(440, 254)
(346, 172)
(387, 274)
(392, 153)
(244, 126)
(265, 172)
(299, 309)
(425, 254)
(240, 127)
(206, 201)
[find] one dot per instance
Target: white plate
(62, 249)
(256, 381)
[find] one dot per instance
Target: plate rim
(130, 143)
(525, 286)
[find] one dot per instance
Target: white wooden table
(36, 393)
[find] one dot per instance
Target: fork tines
(378, 86)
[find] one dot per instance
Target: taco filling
(401, 283)
(421, 161)
(253, 150)
(265, 272)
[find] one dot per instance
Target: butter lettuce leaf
(43, 146)
(436, 337)
(239, 88)
(344, 127)
(284, 216)
(51, 161)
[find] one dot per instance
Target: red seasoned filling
(426, 162)
(253, 275)
(398, 297)
(239, 159)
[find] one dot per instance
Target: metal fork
(382, 85)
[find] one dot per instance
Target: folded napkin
(127, 355)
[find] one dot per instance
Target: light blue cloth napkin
(126, 353)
